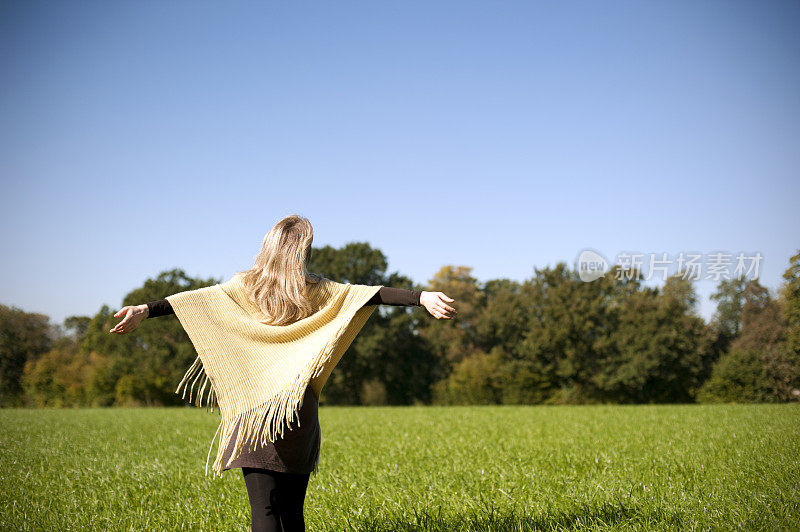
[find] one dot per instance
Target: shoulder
(325, 289)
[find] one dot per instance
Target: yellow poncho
(258, 373)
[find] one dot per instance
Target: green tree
(454, 340)
(730, 298)
(502, 319)
(790, 305)
(77, 325)
(388, 362)
(757, 368)
(24, 336)
(475, 380)
(396, 356)
(568, 327)
(142, 368)
(658, 346)
(57, 377)
(355, 262)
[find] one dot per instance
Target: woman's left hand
(437, 305)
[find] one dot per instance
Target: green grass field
(688, 467)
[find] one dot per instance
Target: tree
(388, 362)
(454, 340)
(397, 357)
(730, 298)
(77, 325)
(356, 262)
(568, 326)
(502, 319)
(790, 305)
(142, 368)
(757, 368)
(57, 378)
(475, 380)
(24, 337)
(657, 347)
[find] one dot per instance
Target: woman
(274, 315)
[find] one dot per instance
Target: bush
(475, 380)
(749, 376)
(373, 393)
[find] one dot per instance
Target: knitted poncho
(256, 373)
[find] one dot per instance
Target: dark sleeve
(395, 296)
(159, 308)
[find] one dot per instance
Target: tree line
(551, 339)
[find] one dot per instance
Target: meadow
(602, 467)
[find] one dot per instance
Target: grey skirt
(296, 452)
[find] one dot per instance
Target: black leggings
(276, 499)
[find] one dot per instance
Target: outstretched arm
(434, 302)
(136, 313)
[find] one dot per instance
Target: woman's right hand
(436, 303)
(134, 314)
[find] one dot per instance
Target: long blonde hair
(277, 283)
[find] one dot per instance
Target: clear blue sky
(141, 136)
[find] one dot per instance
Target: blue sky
(141, 136)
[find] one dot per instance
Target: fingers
(440, 311)
(446, 306)
(123, 326)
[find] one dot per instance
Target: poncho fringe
(257, 374)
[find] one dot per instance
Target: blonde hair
(277, 282)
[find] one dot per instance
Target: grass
(648, 467)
